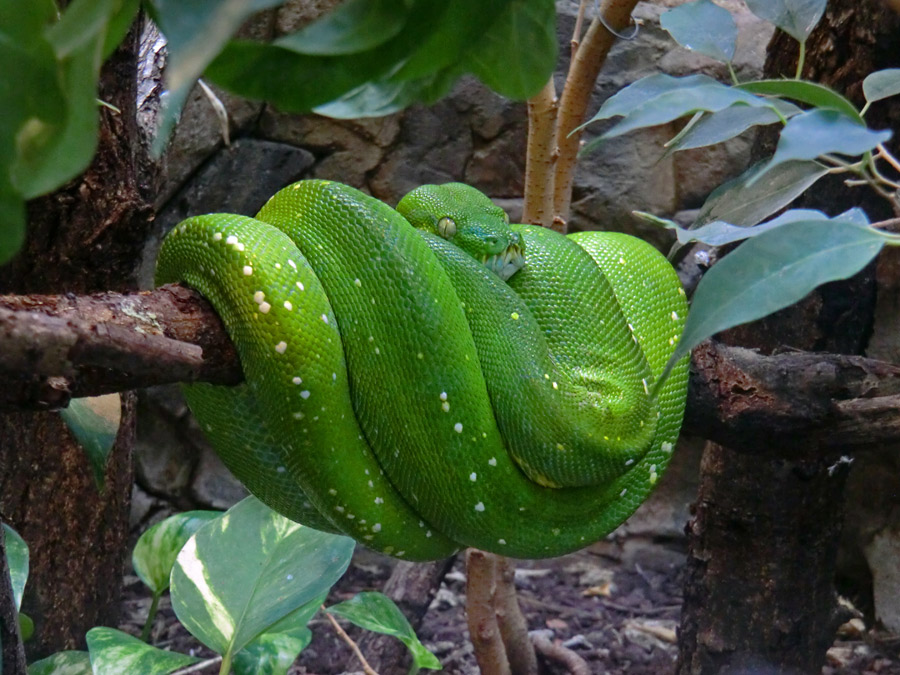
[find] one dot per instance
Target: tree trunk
(87, 236)
(759, 594)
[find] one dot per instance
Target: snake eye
(446, 227)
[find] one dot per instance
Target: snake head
(468, 218)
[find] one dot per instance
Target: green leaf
(26, 626)
(227, 600)
(63, 663)
(751, 197)
(645, 90)
(377, 612)
(814, 94)
(31, 100)
(273, 652)
(195, 33)
(50, 155)
(881, 84)
(815, 133)
(729, 122)
(17, 560)
(94, 422)
(772, 271)
(353, 26)
(116, 653)
(797, 18)
(702, 27)
(517, 55)
(158, 547)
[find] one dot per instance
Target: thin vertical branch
(519, 649)
(583, 72)
(541, 157)
(481, 586)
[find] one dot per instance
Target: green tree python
(432, 377)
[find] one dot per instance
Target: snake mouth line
(506, 263)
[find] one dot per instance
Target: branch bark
(54, 348)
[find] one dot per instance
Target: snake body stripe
(402, 393)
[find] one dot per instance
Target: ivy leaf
(814, 94)
(158, 547)
(772, 271)
(797, 18)
(225, 600)
(352, 27)
(17, 561)
(881, 84)
(754, 195)
(94, 422)
(722, 125)
(63, 663)
(702, 27)
(815, 133)
(116, 653)
(377, 612)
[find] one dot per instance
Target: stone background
(476, 137)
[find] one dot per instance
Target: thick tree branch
(53, 348)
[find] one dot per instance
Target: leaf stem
(225, 668)
(885, 154)
(151, 615)
(800, 60)
(734, 77)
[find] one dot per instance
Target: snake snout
(508, 259)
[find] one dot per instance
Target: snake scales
(431, 377)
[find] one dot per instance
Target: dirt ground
(616, 606)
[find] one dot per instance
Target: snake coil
(432, 377)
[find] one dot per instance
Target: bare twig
(513, 628)
(542, 154)
(197, 667)
(583, 72)
(367, 669)
(556, 652)
(481, 585)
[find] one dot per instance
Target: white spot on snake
(300, 286)
(428, 534)
(666, 447)
(379, 500)
(479, 507)
(646, 388)
(445, 406)
(368, 537)
(357, 282)
(555, 531)
(560, 447)
(332, 492)
(290, 577)
(629, 462)
(339, 509)
(281, 347)
(622, 493)
(514, 316)
(231, 239)
(248, 270)
(473, 476)
(502, 542)
(277, 266)
(555, 385)
(292, 263)
(371, 484)
(264, 307)
(325, 318)
(377, 350)
(333, 377)
(288, 306)
(304, 394)
(680, 291)
(621, 261)
(671, 341)
(298, 415)
(258, 297)
(217, 236)
(376, 527)
(653, 478)
(546, 376)
(674, 316)
(420, 356)
(280, 469)
(239, 247)
(297, 380)
(443, 396)
(492, 461)
(458, 427)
